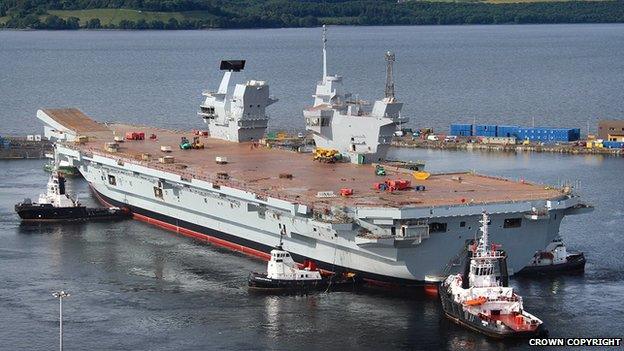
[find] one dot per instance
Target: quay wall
(462, 145)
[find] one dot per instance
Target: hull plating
(240, 226)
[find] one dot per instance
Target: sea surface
(555, 75)
(137, 287)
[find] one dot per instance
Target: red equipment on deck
(346, 192)
(392, 185)
(135, 136)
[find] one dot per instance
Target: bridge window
(512, 223)
(158, 192)
(437, 227)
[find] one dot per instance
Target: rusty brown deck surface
(74, 119)
(257, 169)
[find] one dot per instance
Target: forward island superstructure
(241, 116)
(254, 195)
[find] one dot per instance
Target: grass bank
(109, 17)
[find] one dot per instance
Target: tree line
(308, 13)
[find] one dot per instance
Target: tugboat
(284, 276)
(63, 168)
(57, 206)
(555, 258)
(480, 298)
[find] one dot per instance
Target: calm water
(559, 74)
(137, 287)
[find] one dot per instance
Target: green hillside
(199, 14)
(113, 17)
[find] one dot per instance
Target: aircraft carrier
(236, 193)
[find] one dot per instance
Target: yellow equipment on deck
(421, 175)
(81, 139)
(326, 155)
(197, 144)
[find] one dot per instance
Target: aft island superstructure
(337, 121)
(237, 194)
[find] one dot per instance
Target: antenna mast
(484, 230)
(324, 52)
(389, 78)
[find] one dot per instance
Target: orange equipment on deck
(476, 302)
(346, 192)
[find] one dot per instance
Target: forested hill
(198, 14)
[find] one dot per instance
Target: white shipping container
(499, 140)
(166, 159)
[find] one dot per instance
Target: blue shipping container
(613, 144)
(462, 126)
(461, 129)
(486, 127)
(549, 134)
(507, 131)
(542, 134)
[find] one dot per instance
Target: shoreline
(514, 148)
(82, 29)
(253, 14)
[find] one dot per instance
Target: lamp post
(60, 295)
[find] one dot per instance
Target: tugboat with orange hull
(480, 298)
(57, 206)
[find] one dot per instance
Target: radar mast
(390, 58)
(324, 53)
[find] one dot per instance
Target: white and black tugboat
(555, 258)
(57, 206)
(284, 276)
(480, 298)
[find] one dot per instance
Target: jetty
(27, 147)
(465, 145)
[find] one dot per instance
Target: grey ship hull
(241, 221)
(237, 243)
